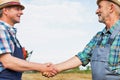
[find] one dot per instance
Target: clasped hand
(50, 71)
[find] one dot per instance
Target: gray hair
(117, 10)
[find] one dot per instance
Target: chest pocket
(101, 53)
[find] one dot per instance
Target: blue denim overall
(8, 74)
(99, 61)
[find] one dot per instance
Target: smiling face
(12, 14)
(103, 11)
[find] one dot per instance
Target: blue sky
(57, 29)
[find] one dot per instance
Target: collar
(112, 29)
(10, 28)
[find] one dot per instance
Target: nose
(21, 12)
(97, 11)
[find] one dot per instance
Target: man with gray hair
(103, 51)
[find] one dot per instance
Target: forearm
(17, 64)
(22, 65)
(68, 64)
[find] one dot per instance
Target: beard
(101, 19)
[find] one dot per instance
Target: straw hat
(6, 3)
(114, 1)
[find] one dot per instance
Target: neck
(111, 21)
(7, 21)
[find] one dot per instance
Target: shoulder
(98, 34)
(3, 32)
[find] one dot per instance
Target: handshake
(50, 70)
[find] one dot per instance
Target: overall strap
(14, 39)
(112, 37)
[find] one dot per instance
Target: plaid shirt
(114, 56)
(6, 44)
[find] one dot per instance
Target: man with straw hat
(103, 51)
(12, 63)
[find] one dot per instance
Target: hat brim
(12, 4)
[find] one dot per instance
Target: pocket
(100, 54)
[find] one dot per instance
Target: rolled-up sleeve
(86, 54)
(83, 58)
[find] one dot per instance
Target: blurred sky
(57, 29)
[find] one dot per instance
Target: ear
(5, 11)
(112, 7)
